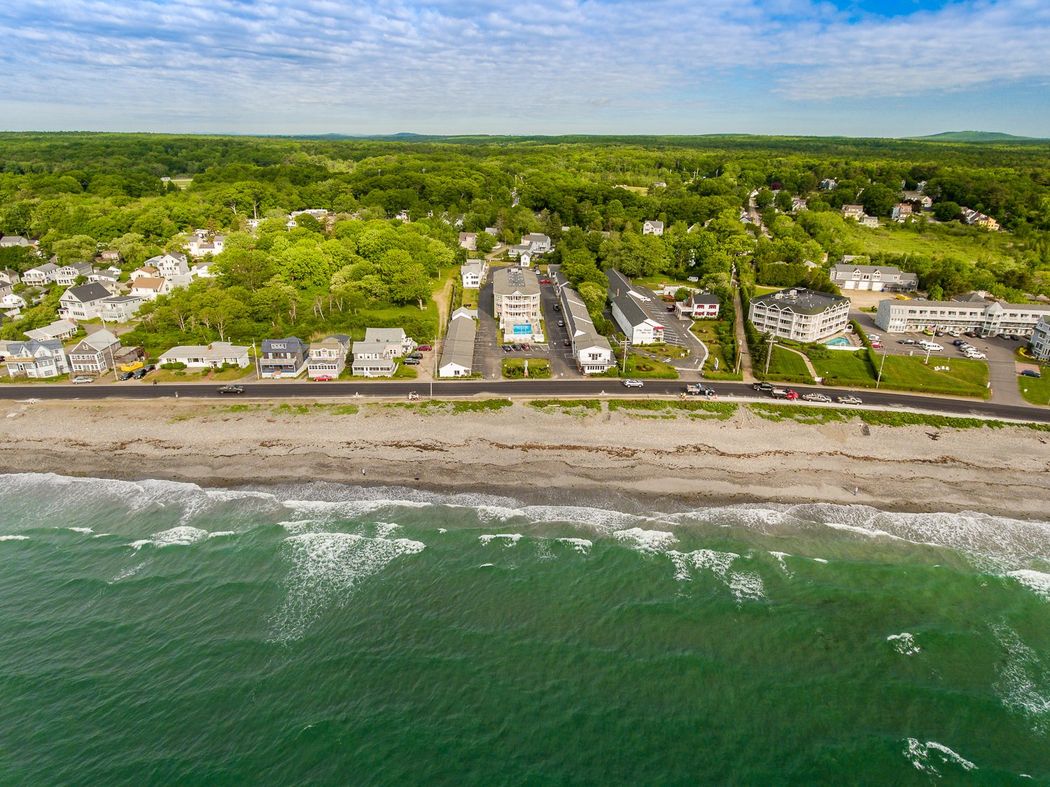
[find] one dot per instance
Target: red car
(792, 395)
(546, 281)
(424, 348)
(324, 378)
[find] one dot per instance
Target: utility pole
(878, 379)
(623, 363)
(769, 354)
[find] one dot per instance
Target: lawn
(786, 366)
(963, 377)
(937, 241)
(1036, 389)
(198, 375)
(538, 368)
(640, 367)
(838, 367)
(763, 290)
(705, 331)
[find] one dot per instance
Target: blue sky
(855, 67)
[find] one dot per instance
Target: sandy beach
(526, 452)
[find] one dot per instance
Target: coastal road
(525, 388)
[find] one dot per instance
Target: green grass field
(948, 240)
(1036, 389)
(514, 368)
(903, 373)
(785, 366)
(649, 368)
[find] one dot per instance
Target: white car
(633, 384)
(931, 346)
(81, 379)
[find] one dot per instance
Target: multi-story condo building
(590, 349)
(799, 314)
(988, 318)
(1040, 342)
(516, 304)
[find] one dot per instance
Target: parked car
(765, 387)
(507, 348)
(1024, 373)
(546, 281)
(876, 345)
(83, 378)
(633, 384)
(848, 399)
(906, 341)
(415, 355)
(958, 342)
(231, 389)
(138, 374)
(791, 394)
(124, 376)
(425, 348)
(411, 361)
(516, 347)
(816, 397)
(526, 347)
(670, 308)
(561, 323)
(699, 390)
(557, 307)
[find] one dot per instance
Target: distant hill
(976, 136)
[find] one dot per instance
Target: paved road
(444, 389)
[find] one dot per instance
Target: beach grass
(826, 415)
(721, 411)
(592, 405)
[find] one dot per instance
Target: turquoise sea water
(155, 632)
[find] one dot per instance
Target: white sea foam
(1035, 581)
(183, 535)
(130, 571)
(326, 568)
(14, 537)
(904, 643)
(1024, 683)
(508, 539)
(646, 540)
(222, 533)
(818, 560)
(581, 545)
(442, 529)
(925, 757)
(870, 532)
(599, 519)
(744, 585)
(386, 529)
(80, 529)
(781, 558)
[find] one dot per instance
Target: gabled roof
(95, 342)
(147, 283)
(634, 313)
(289, 344)
(459, 343)
(86, 293)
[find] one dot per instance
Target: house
(149, 288)
(525, 259)
(473, 274)
(988, 318)
(1040, 341)
(537, 242)
(855, 212)
(202, 270)
(206, 356)
(917, 198)
(871, 222)
(699, 306)
(12, 301)
(590, 350)
(636, 324)
(468, 241)
(901, 211)
(6, 285)
(800, 314)
(109, 255)
(516, 304)
(282, 357)
(374, 356)
(327, 358)
(652, 227)
(120, 308)
(877, 278)
(797, 204)
(203, 243)
(493, 231)
(36, 358)
(107, 277)
(169, 265)
(321, 214)
(457, 353)
(145, 272)
(83, 302)
(402, 215)
(67, 275)
(976, 219)
(59, 329)
(96, 353)
(517, 250)
(12, 241)
(40, 276)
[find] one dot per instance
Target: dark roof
(618, 283)
(89, 292)
(704, 298)
(290, 344)
(634, 313)
(801, 301)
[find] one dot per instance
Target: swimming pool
(838, 341)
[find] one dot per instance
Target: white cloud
(385, 65)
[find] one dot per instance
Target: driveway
(676, 331)
(486, 349)
(562, 363)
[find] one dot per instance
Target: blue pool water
(838, 341)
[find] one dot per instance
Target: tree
(946, 211)
(878, 200)
(79, 248)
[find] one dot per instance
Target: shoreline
(540, 457)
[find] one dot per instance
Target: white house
(473, 274)
(872, 222)
(627, 312)
(36, 359)
(374, 356)
(83, 302)
(652, 227)
(11, 241)
(537, 242)
(855, 212)
(169, 265)
(149, 288)
(468, 241)
(1040, 341)
(699, 306)
(457, 354)
(203, 243)
(207, 356)
(800, 314)
(877, 278)
(145, 272)
(327, 358)
(94, 352)
(590, 350)
(901, 211)
(120, 308)
(67, 275)
(525, 259)
(40, 276)
(59, 329)
(12, 301)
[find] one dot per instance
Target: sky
(849, 67)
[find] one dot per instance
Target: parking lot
(676, 331)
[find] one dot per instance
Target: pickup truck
(693, 389)
(784, 393)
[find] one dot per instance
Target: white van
(932, 346)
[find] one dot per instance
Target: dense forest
(79, 194)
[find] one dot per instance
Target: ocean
(158, 632)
